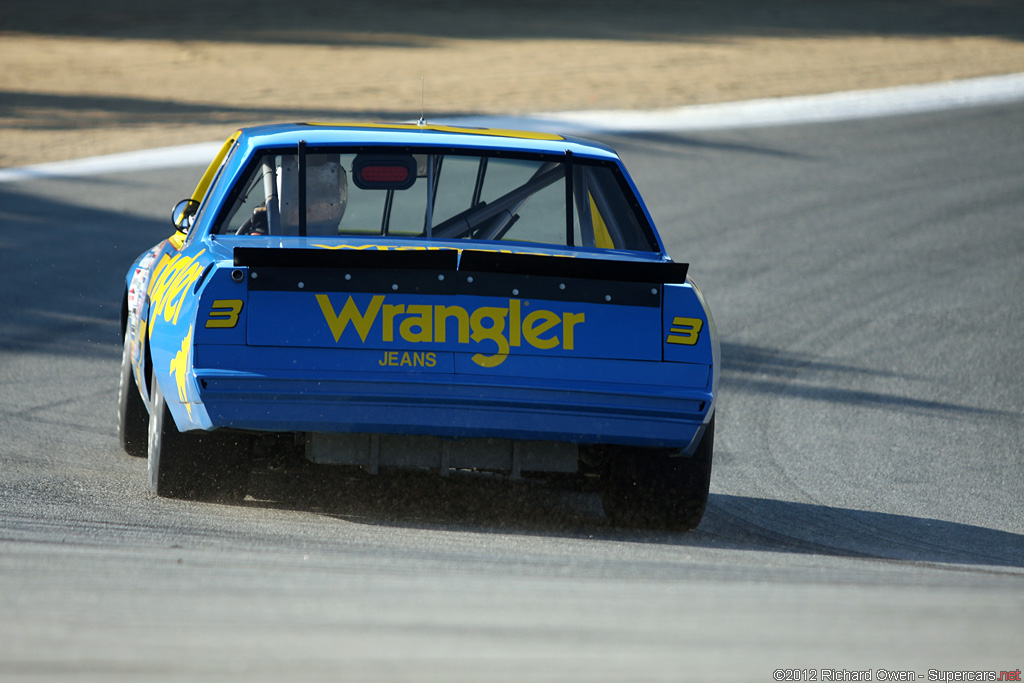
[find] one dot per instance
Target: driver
(257, 223)
(326, 196)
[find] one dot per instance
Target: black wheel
(653, 490)
(132, 418)
(195, 465)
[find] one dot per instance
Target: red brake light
(384, 172)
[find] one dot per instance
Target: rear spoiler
(453, 271)
(661, 272)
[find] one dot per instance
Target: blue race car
(420, 296)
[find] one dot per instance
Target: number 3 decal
(685, 331)
(224, 313)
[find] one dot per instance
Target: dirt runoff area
(83, 79)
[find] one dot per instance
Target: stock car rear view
(421, 296)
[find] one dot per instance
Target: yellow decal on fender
(423, 323)
(179, 369)
(168, 284)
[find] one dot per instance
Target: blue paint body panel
(599, 351)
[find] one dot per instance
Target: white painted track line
(781, 111)
(163, 157)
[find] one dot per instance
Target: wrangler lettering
(496, 330)
(361, 322)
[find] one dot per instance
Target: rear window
(437, 194)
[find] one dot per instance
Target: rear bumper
(556, 406)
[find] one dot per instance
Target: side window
(249, 205)
(608, 218)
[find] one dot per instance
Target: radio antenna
(423, 115)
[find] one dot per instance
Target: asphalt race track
(866, 510)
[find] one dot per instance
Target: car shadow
(768, 371)
(408, 23)
(64, 266)
(672, 144)
(83, 112)
(473, 502)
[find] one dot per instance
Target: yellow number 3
(224, 313)
(685, 331)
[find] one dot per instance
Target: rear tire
(195, 465)
(654, 490)
(132, 418)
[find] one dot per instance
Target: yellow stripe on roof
(211, 170)
(494, 132)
